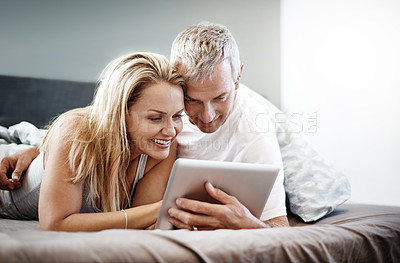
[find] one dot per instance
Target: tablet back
(251, 184)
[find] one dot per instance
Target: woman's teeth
(162, 142)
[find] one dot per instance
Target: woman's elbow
(49, 225)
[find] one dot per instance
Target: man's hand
(12, 167)
(230, 214)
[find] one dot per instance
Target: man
(222, 124)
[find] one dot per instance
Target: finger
(182, 225)
(20, 167)
(199, 207)
(5, 184)
(151, 227)
(16, 176)
(8, 184)
(16, 185)
(219, 195)
(4, 166)
(187, 220)
(179, 224)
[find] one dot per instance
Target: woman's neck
(134, 154)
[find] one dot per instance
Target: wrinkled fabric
(19, 137)
(22, 133)
(352, 233)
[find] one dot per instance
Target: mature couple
(107, 165)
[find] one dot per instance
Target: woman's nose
(169, 129)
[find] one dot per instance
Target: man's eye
(155, 119)
(178, 116)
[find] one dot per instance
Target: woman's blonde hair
(201, 47)
(100, 148)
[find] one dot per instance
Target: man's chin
(208, 129)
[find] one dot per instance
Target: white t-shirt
(247, 136)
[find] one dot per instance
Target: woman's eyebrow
(158, 111)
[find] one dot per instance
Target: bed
(334, 232)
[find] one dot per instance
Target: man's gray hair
(199, 48)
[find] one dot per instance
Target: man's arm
(12, 167)
(279, 221)
(231, 214)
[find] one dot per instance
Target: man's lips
(208, 124)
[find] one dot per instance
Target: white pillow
(313, 186)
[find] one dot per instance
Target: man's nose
(208, 113)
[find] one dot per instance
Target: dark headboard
(40, 100)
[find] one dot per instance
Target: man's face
(209, 102)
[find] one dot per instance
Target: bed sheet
(353, 233)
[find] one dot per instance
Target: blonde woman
(93, 158)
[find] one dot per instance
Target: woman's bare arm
(152, 187)
(60, 200)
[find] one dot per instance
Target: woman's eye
(155, 119)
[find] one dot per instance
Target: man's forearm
(280, 221)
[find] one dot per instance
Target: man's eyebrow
(189, 98)
(221, 95)
(180, 111)
(158, 111)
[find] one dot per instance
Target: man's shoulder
(248, 93)
(250, 98)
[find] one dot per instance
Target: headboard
(39, 100)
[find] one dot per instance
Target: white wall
(75, 40)
(341, 59)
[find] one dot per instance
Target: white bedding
(19, 137)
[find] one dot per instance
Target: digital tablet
(251, 184)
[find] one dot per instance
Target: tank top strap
(139, 173)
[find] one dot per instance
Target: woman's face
(154, 120)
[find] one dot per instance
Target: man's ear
(239, 76)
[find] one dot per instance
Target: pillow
(19, 137)
(313, 186)
(23, 133)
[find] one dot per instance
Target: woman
(93, 157)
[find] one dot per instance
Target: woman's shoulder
(71, 120)
(65, 127)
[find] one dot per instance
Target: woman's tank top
(23, 202)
